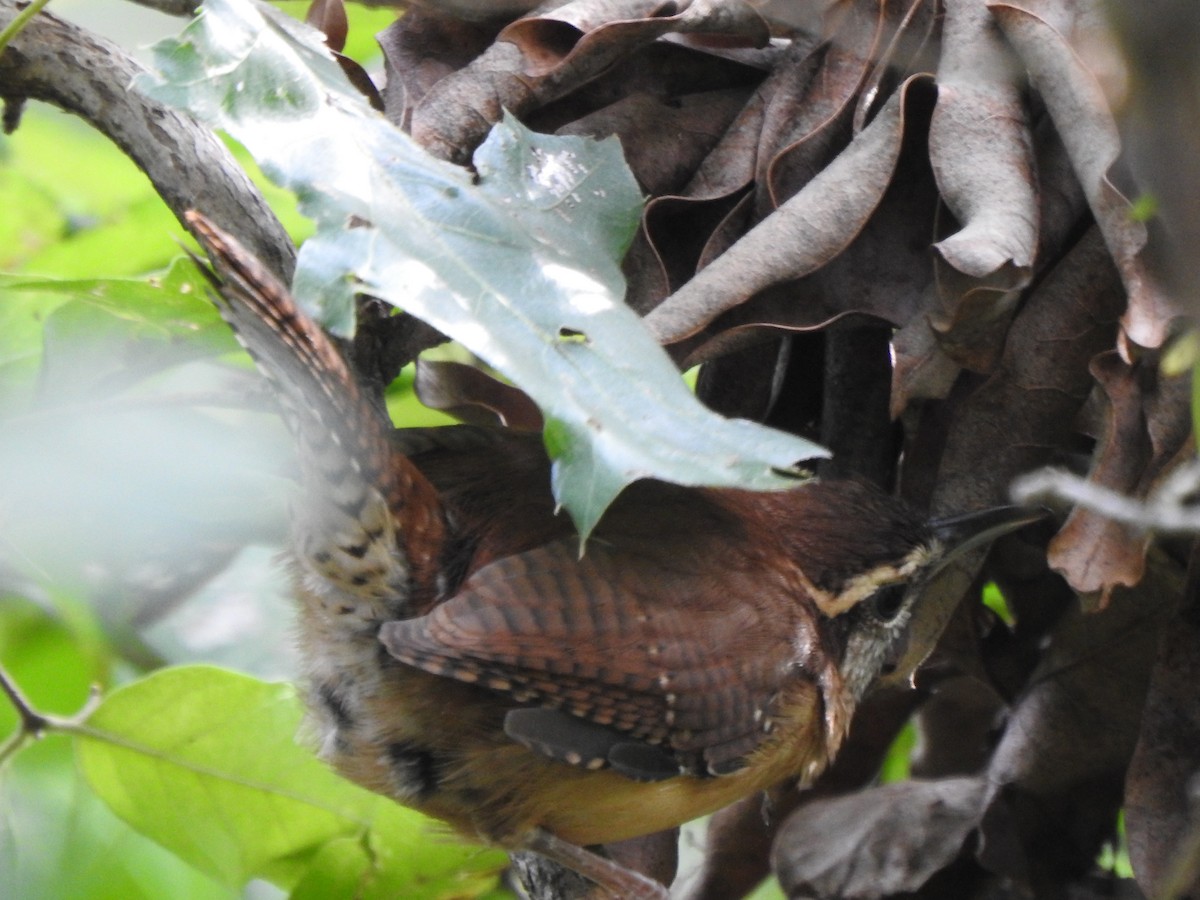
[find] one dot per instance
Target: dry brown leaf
(1092, 552)
(807, 116)
(1062, 205)
(1019, 416)
(1073, 297)
(466, 10)
(684, 229)
(456, 113)
(563, 36)
(665, 139)
(1158, 815)
(473, 397)
(329, 17)
(956, 728)
(676, 229)
(877, 842)
(803, 234)
(885, 273)
(1055, 778)
(928, 359)
(739, 838)
(1076, 102)
(737, 846)
(663, 69)
(1147, 425)
(906, 27)
(923, 370)
(1017, 419)
(802, 128)
(793, 125)
(539, 59)
(655, 855)
(419, 50)
(982, 154)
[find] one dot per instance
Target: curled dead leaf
(1146, 425)
(805, 232)
(473, 397)
(542, 58)
(1077, 103)
(877, 842)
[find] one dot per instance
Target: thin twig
(35, 724)
(1166, 510)
(170, 7)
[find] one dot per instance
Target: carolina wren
(464, 659)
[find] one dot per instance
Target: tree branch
(69, 67)
(33, 723)
(1168, 509)
(170, 7)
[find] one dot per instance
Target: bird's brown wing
(656, 658)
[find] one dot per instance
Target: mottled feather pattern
(356, 485)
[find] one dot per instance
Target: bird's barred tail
(367, 524)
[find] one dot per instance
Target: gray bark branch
(170, 7)
(59, 63)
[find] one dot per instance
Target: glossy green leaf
(207, 763)
(521, 268)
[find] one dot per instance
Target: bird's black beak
(964, 532)
(959, 535)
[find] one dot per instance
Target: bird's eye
(885, 604)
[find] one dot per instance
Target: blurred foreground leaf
(521, 268)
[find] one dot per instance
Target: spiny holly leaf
(521, 268)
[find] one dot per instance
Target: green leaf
(122, 445)
(56, 838)
(522, 268)
(1196, 401)
(897, 765)
(768, 890)
(90, 327)
(21, 319)
(85, 210)
(170, 306)
(206, 762)
(993, 599)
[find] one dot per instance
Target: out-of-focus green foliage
(105, 339)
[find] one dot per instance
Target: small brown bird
(464, 659)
